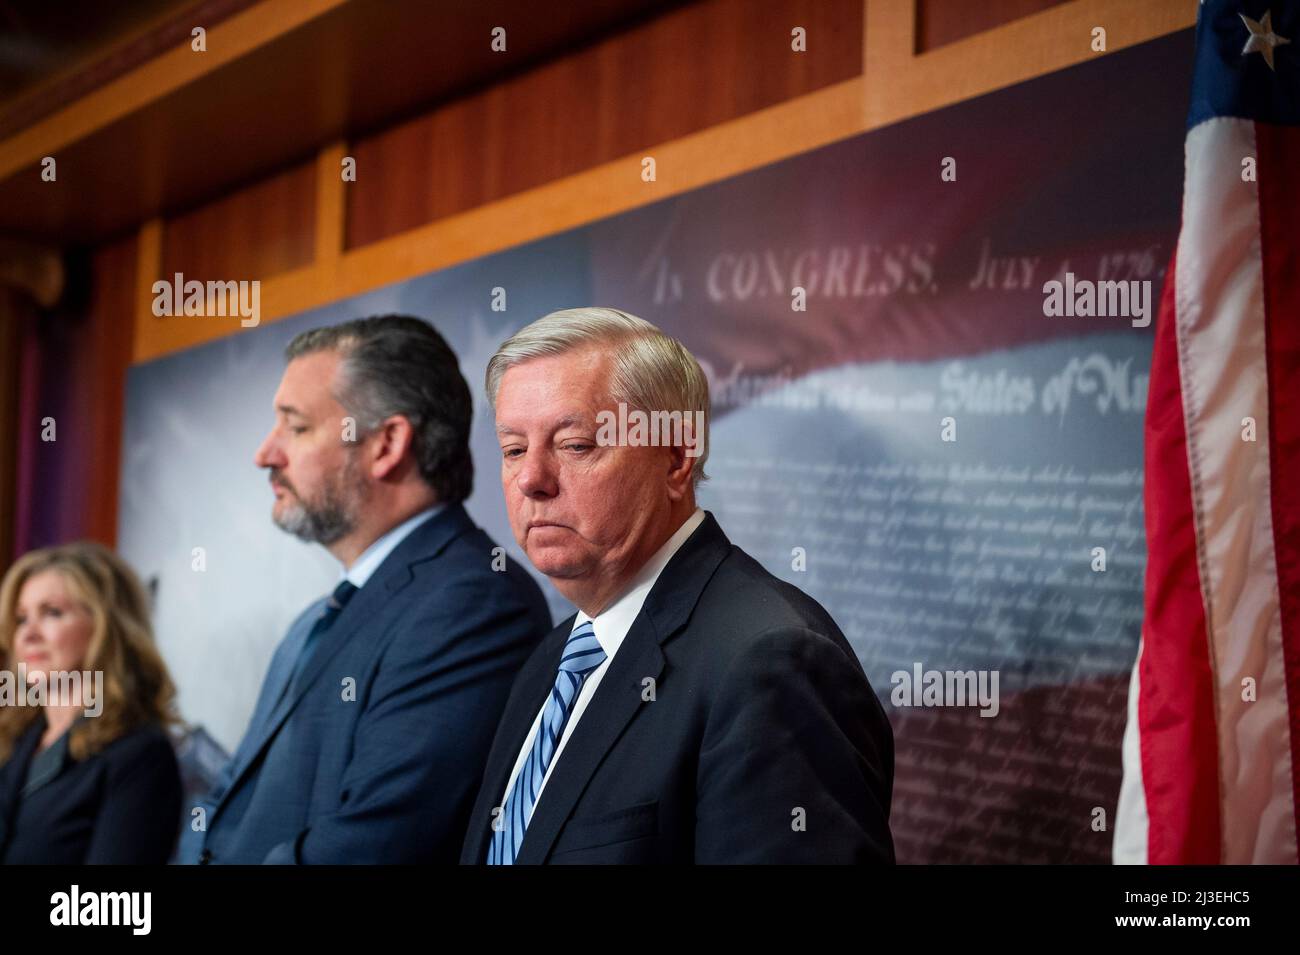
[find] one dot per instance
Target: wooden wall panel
(689, 70)
(459, 156)
(713, 87)
(279, 79)
(940, 22)
(135, 34)
(261, 230)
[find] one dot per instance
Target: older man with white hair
(696, 708)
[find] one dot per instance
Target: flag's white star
(1262, 39)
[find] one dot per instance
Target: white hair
(652, 371)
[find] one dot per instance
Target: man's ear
(392, 444)
(679, 472)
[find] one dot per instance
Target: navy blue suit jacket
(373, 755)
(734, 725)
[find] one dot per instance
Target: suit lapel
(13, 774)
(282, 666)
(618, 698)
(616, 701)
(277, 681)
(423, 543)
(364, 607)
(532, 687)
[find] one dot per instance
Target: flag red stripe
(1179, 740)
(1279, 215)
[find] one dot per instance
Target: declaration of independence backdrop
(924, 302)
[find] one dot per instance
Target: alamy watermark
(133, 910)
(84, 688)
(651, 429)
(923, 687)
(179, 297)
(1085, 298)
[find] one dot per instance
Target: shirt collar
(364, 567)
(612, 624)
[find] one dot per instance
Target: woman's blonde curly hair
(137, 688)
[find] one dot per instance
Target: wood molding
(684, 164)
(896, 84)
(889, 35)
(331, 202)
(1021, 50)
(148, 269)
(226, 42)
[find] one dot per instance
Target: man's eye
(512, 452)
(298, 429)
(578, 448)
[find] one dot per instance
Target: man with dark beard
(374, 721)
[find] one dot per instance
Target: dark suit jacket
(762, 723)
(374, 753)
(116, 807)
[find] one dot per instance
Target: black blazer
(120, 806)
(762, 742)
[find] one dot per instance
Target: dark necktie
(334, 605)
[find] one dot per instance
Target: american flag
(1212, 745)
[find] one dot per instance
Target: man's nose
(536, 478)
(268, 454)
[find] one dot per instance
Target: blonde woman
(87, 770)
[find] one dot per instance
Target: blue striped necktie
(582, 655)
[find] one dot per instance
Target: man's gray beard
(336, 514)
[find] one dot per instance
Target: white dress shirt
(364, 567)
(611, 626)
